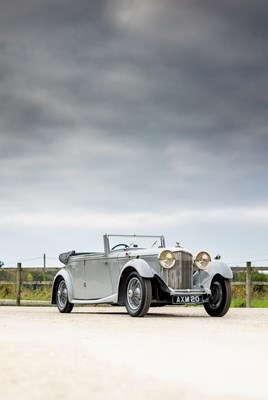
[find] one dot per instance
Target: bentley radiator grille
(180, 276)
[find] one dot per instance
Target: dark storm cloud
(134, 100)
(128, 60)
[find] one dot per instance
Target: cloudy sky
(135, 116)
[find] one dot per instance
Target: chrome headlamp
(166, 259)
(202, 259)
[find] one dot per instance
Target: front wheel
(62, 301)
(220, 299)
(138, 295)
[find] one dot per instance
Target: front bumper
(190, 296)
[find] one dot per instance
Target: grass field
(255, 303)
(8, 292)
(259, 296)
(43, 293)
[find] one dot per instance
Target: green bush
(41, 293)
(7, 292)
(259, 296)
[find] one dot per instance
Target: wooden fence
(247, 269)
(19, 282)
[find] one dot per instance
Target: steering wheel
(120, 244)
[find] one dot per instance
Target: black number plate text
(187, 299)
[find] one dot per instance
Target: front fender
(63, 273)
(205, 276)
(141, 266)
(135, 264)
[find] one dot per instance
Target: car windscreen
(134, 241)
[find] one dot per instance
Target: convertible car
(140, 272)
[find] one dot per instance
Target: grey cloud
(166, 79)
(140, 78)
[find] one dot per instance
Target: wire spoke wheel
(62, 301)
(62, 294)
(138, 295)
(134, 292)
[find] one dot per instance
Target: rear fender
(205, 276)
(63, 273)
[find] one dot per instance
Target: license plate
(187, 299)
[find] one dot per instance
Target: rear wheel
(138, 295)
(220, 299)
(62, 301)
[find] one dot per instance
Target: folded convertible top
(64, 257)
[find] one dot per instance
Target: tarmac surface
(103, 353)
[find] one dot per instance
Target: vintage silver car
(140, 272)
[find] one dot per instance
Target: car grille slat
(180, 276)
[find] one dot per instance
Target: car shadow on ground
(150, 314)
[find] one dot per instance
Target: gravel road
(102, 353)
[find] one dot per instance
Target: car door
(98, 282)
(77, 270)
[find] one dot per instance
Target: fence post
(44, 269)
(248, 284)
(18, 284)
